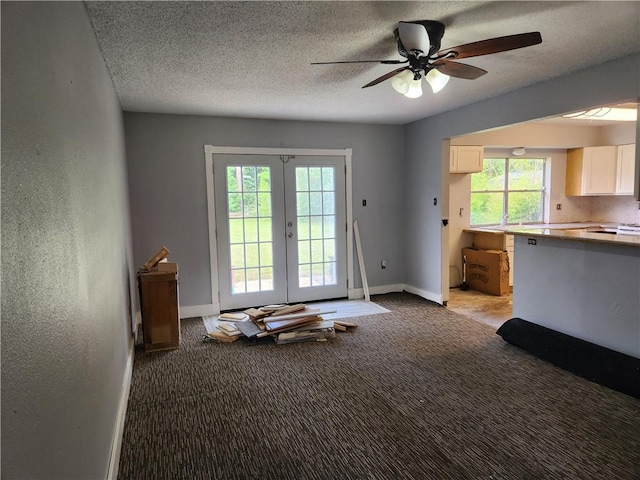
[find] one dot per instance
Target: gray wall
(607, 83)
(65, 246)
(168, 187)
(590, 290)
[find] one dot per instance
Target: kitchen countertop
(498, 230)
(577, 235)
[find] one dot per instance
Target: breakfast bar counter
(581, 283)
(583, 235)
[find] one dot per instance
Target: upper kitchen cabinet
(607, 170)
(591, 171)
(466, 158)
(626, 165)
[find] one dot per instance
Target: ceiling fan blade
(385, 77)
(459, 70)
(384, 62)
(493, 45)
(414, 36)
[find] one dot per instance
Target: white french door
(280, 223)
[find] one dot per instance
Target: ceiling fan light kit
(401, 81)
(437, 80)
(419, 43)
(415, 89)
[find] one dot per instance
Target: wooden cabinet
(625, 169)
(466, 158)
(591, 171)
(159, 305)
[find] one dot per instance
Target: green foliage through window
(511, 186)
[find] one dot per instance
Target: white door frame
(210, 150)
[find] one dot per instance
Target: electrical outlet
(558, 206)
(532, 241)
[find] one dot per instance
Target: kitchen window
(508, 191)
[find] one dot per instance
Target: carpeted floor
(418, 393)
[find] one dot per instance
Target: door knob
(290, 235)
(290, 224)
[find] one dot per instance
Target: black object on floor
(598, 364)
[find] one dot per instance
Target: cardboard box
(487, 271)
(164, 266)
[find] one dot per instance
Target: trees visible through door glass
(315, 211)
(249, 207)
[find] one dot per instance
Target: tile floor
(482, 307)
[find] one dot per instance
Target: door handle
(290, 235)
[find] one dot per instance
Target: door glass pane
(237, 281)
(315, 203)
(316, 226)
(330, 273)
(250, 219)
(252, 255)
(250, 230)
(304, 251)
(329, 230)
(236, 230)
(315, 179)
(253, 280)
(249, 179)
(327, 179)
(315, 211)
(266, 279)
(302, 204)
(265, 233)
(237, 256)
(304, 275)
(328, 203)
(302, 179)
(317, 274)
(303, 228)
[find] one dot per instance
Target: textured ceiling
(252, 59)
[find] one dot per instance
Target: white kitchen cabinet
(591, 171)
(625, 171)
(466, 158)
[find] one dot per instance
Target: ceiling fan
(419, 43)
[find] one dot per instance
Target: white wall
(535, 135)
(168, 188)
(614, 81)
(459, 219)
(66, 256)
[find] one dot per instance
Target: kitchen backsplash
(574, 209)
(623, 209)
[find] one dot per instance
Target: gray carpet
(418, 393)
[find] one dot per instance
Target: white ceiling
(252, 59)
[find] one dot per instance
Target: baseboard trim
(357, 293)
(199, 310)
(116, 443)
(434, 297)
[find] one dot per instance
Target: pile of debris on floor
(283, 323)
